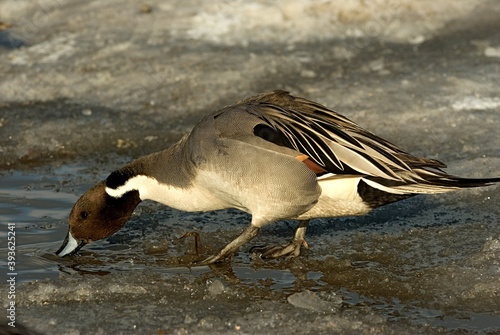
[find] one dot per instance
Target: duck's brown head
(97, 215)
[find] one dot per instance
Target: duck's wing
(331, 140)
(339, 146)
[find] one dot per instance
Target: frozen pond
(88, 86)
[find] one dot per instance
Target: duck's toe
(290, 250)
(217, 258)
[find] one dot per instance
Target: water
(36, 207)
(390, 274)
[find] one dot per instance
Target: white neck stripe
(133, 184)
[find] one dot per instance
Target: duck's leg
(292, 249)
(232, 246)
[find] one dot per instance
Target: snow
(492, 52)
(474, 102)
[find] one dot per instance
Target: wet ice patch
(492, 245)
(476, 103)
(312, 301)
(216, 288)
(81, 289)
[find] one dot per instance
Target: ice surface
(302, 20)
(216, 288)
(88, 85)
(418, 266)
(310, 300)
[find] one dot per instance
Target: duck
(274, 156)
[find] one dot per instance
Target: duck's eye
(84, 215)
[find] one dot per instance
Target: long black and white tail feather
(433, 182)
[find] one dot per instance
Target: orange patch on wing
(310, 164)
(302, 157)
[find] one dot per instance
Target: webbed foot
(290, 250)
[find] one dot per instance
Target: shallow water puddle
(283, 280)
(36, 208)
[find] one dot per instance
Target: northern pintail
(274, 156)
